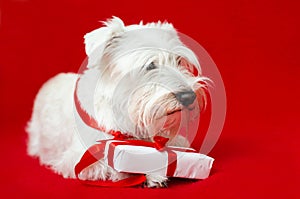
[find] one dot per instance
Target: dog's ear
(96, 40)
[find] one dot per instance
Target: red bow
(120, 136)
(160, 142)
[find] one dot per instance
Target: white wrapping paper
(147, 160)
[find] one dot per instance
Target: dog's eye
(151, 66)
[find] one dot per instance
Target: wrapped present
(141, 157)
(132, 157)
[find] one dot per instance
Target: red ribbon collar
(91, 121)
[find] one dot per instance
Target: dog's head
(146, 82)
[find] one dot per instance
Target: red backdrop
(255, 45)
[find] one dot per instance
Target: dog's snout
(186, 97)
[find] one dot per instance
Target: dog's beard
(160, 113)
(146, 109)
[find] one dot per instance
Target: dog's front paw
(155, 181)
(101, 171)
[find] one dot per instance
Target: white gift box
(172, 161)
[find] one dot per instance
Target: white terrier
(139, 80)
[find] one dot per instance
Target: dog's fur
(133, 75)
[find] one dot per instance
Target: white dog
(139, 80)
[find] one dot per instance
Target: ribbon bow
(160, 142)
(120, 136)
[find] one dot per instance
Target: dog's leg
(101, 171)
(156, 181)
(98, 171)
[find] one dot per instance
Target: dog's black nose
(186, 97)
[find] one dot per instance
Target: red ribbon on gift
(172, 157)
(96, 152)
(92, 155)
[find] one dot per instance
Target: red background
(255, 45)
